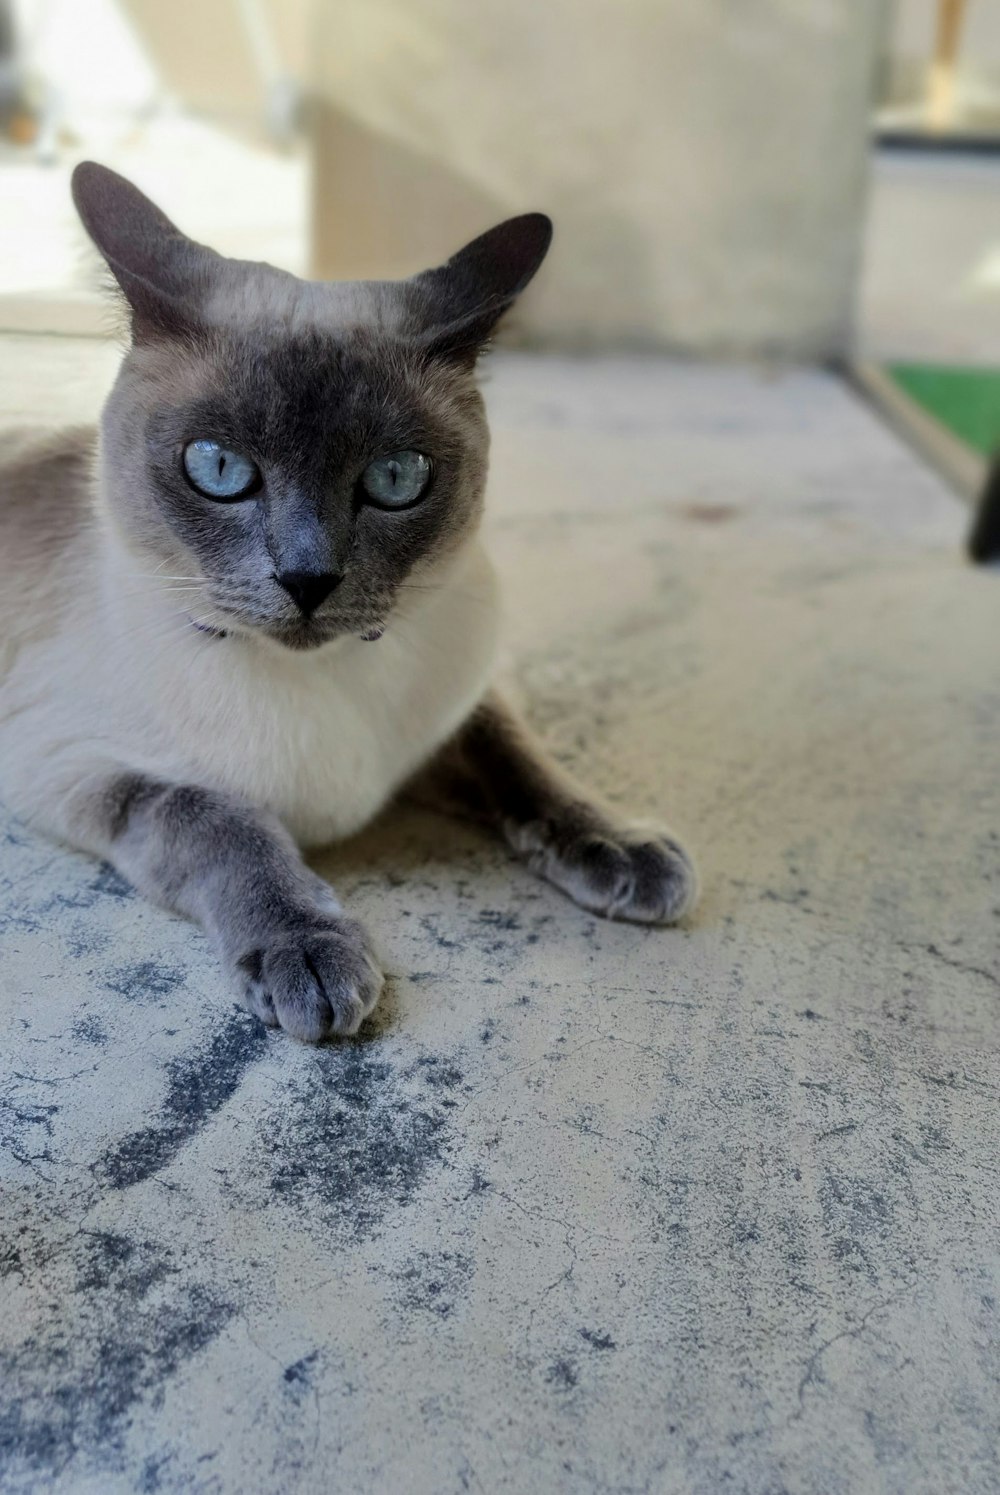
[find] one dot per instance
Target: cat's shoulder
(45, 486)
(31, 456)
(45, 480)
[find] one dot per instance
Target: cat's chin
(302, 640)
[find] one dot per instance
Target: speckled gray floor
(589, 1208)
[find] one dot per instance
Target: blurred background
(784, 179)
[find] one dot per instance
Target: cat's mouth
(207, 628)
(315, 633)
(301, 635)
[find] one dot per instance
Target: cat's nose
(308, 589)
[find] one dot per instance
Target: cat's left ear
(163, 274)
(460, 302)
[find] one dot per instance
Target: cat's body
(322, 738)
(231, 626)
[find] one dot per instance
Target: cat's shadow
(405, 841)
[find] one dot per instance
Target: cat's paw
(639, 873)
(313, 980)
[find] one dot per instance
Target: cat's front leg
(295, 959)
(494, 769)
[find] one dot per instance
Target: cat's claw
(315, 981)
(638, 873)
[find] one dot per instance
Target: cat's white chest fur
(323, 737)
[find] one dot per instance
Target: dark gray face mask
(301, 448)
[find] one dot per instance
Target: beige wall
(704, 160)
(204, 52)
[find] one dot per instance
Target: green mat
(966, 400)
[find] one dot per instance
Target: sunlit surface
(91, 89)
(242, 199)
(930, 288)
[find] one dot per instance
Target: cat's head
(294, 451)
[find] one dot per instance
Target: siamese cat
(251, 608)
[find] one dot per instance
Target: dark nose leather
(308, 589)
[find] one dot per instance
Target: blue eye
(218, 472)
(396, 480)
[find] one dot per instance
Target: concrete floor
(589, 1208)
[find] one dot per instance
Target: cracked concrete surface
(589, 1208)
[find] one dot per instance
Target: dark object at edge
(984, 541)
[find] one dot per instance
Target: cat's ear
(162, 273)
(460, 303)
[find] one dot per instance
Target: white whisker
(159, 576)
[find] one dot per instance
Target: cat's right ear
(461, 302)
(163, 274)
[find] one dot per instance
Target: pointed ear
(461, 302)
(162, 273)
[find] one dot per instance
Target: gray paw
(313, 980)
(637, 873)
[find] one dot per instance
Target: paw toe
(605, 870)
(296, 989)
